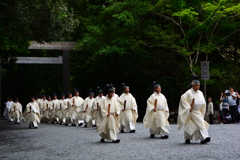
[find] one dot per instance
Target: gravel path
(52, 141)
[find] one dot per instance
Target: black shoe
(66, 124)
(29, 127)
(94, 126)
(85, 126)
(116, 141)
(35, 127)
(152, 136)
(52, 122)
(203, 141)
(17, 123)
(208, 139)
(122, 131)
(164, 137)
(73, 124)
(102, 140)
(132, 131)
(60, 123)
(80, 124)
(187, 141)
(57, 122)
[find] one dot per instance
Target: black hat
(32, 97)
(16, 98)
(63, 95)
(157, 85)
(90, 92)
(76, 91)
(106, 88)
(54, 95)
(69, 93)
(123, 86)
(97, 90)
(100, 91)
(110, 91)
(48, 96)
(43, 95)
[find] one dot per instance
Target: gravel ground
(52, 141)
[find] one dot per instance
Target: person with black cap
(44, 109)
(31, 114)
(62, 110)
(157, 113)
(96, 105)
(8, 109)
(85, 113)
(55, 102)
(129, 114)
(107, 121)
(76, 106)
(69, 105)
(38, 100)
(51, 109)
(17, 111)
(191, 111)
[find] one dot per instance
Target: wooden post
(0, 89)
(155, 104)
(66, 71)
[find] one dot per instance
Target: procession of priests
(112, 114)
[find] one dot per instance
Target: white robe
(108, 127)
(195, 127)
(45, 108)
(157, 121)
(42, 105)
(17, 111)
(76, 104)
(63, 109)
(56, 109)
(95, 107)
(51, 110)
(8, 110)
(32, 114)
(86, 117)
(128, 118)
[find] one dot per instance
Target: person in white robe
(107, 121)
(157, 113)
(48, 110)
(39, 101)
(96, 104)
(31, 114)
(55, 117)
(51, 110)
(17, 111)
(8, 110)
(85, 112)
(77, 105)
(62, 110)
(69, 100)
(191, 111)
(42, 106)
(129, 114)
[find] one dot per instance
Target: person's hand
(222, 94)
(84, 111)
(108, 115)
(116, 114)
(154, 110)
(123, 110)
